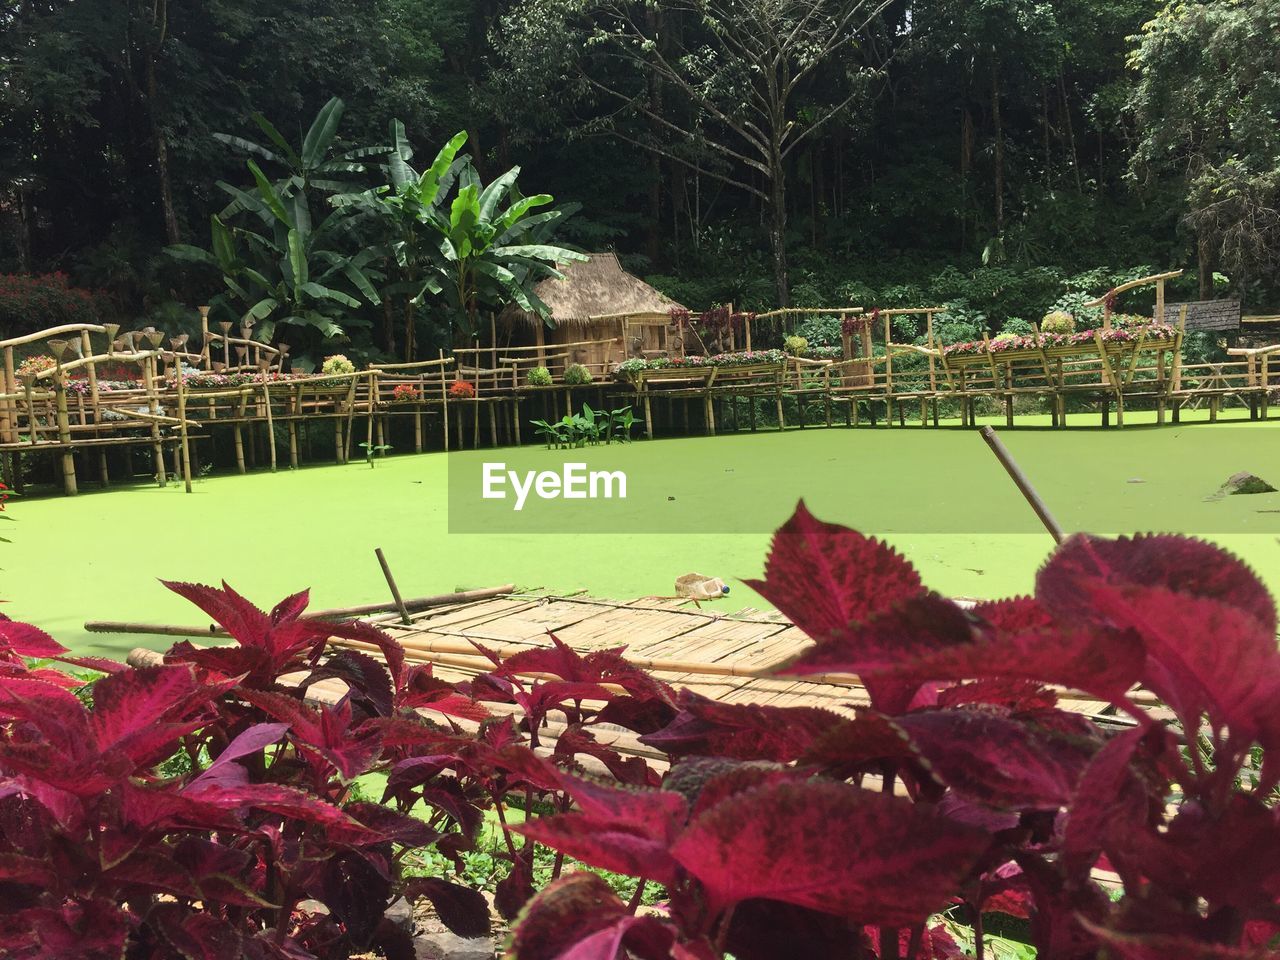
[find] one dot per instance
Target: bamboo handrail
(414, 364)
(818, 311)
(53, 332)
(1141, 281)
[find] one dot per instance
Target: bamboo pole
(444, 399)
(391, 582)
(265, 366)
(1023, 484)
(333, 613)
(182, 428)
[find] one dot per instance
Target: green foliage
(539, 377)
(796, 345)
(820, 331)
(589, 427)
(576, 375)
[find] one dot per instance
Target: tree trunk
(778, 230)
(161, 148)
(999, 152)
(966, 165)
(1071, 133)
(1204, 266)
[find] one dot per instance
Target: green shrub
(539, 377)
(796, 345)
(576, 375)
(1058, 321)
(1003, 337)
(820, 331)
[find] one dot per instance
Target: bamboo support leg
(1214, 403)
(1106, 413)
(709, 410)
(293, 445)
(1120, 410)
(1176, 413)
(924, 413)
(380, 427)
(1008, 409)
(457, 411)
(684, 416)
(515, 420)
(853, 411)
(177, 460)
(902, 414)
(239, 438)
(417, 431)
(782, 420)
(648, 416)
(1160, 410)
(493, 422)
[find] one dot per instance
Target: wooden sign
(1212, 315)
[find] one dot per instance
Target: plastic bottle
(710, 589)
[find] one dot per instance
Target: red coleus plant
(192, 807)
(798, 832)
(462, 390)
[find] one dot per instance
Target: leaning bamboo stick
(333, 613)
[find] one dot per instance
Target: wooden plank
(1211, 315)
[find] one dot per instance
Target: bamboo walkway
(97, 396)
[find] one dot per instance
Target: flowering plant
(462, 390)
(539, 377)
(1058, 322)
(404, 393)
(337, 364)
(1009, 342)
(35, 365)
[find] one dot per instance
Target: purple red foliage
(202, 808)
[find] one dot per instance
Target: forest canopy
(998, 155)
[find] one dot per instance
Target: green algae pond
(696, 504)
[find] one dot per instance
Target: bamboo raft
(723, 656)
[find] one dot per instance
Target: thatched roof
(598, 287)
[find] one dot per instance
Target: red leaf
(825, 577)
(461, 909)
(999, 761)
(608, 844)
(741, 731)
(1180, 565)
(579, 917)
(28, 641)
(871, 857)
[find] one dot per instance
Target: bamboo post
(28, 382)
(9, 410)
(263, 366)
(444, 397)
(368, 421)
(205, 353)
(153, 404)
(86, 348)
(226, 342)
(1023, 484)
(182, 426)
(351, 418)
(746, 323)
(64, 420)
(293, 445)
(1159, 311)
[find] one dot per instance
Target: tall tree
(1206, 103)
(744, 83)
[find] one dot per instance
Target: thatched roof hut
(599, 312)
(594, 291)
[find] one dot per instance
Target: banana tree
(486, 247)
(286, 271)
(281, 268)
(493, 246)
(403, 209)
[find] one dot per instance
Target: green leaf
(361, 283)
(248, 146)
(430, 182)
(321, 134)
(262, 309)
(269, 194)
(267, 127)
(495, 191)
(328, 293)
(185, 251)
(297, 259)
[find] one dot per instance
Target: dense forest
(1000, 156)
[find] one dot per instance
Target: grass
(939, 496)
